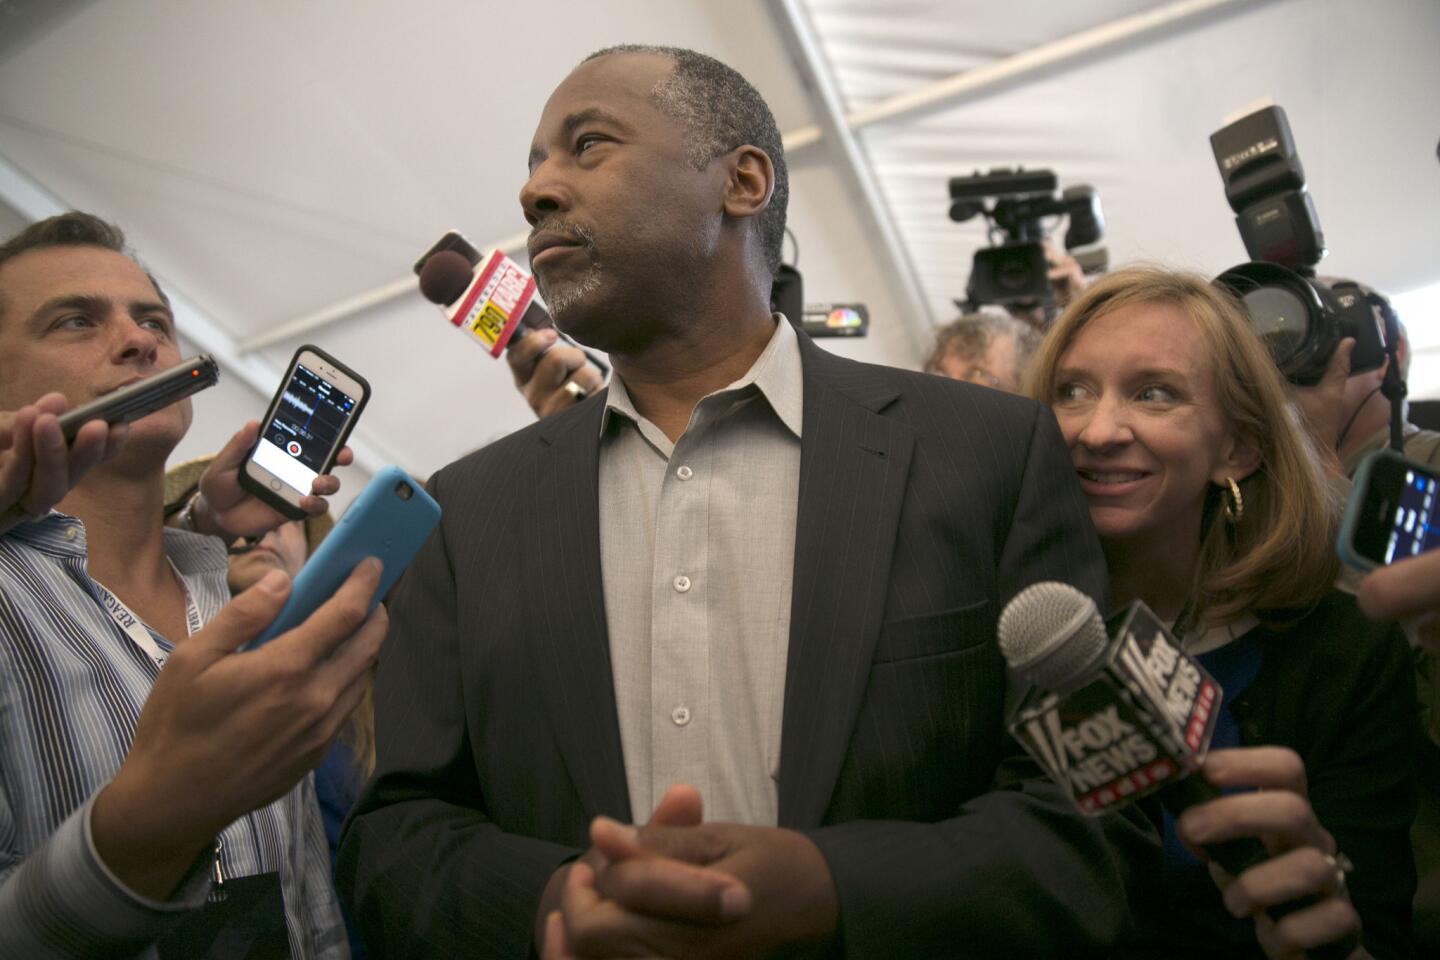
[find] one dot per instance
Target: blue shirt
(1234, 667)
(72, 683)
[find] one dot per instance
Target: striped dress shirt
(72, 683)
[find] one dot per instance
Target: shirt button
(682, 584)
(681, 716)
(684, 473)
(71, 533)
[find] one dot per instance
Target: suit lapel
(853, 468)
(571, 646)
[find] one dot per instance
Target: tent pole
(799, 35)
(967, 85)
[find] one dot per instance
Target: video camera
(1301, 318)
(1014, 271)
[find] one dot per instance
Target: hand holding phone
(1391, 513)
(227, 509)
(1408, 590)
(303, 430)
(390, 519)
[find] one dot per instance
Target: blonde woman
(1211, 507)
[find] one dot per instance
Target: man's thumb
(242, 619)
(236, 448)
(681, 806)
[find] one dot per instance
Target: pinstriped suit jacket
(925, 504)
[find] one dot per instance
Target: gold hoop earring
(1235, 512)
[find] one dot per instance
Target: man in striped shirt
(128, 790)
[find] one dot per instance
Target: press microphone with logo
(1117, 712)
(491, 298)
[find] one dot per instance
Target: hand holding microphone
(1122, 713)
(1304, 862)
(551, 374)
(493, 300)
(37, 467)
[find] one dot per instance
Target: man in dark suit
(749, 565)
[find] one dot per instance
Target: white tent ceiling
(271, 158)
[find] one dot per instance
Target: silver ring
(575, 390)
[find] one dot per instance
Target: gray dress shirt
(697, 566)
(72, 684)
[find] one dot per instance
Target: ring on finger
(1343, 867)
(575, 390)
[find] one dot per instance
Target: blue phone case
(1353, 506)
(390, 519)
(1357, 528)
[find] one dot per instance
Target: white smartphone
(304, 429)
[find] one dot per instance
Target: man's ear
(750, 182)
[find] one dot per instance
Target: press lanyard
(135, 628)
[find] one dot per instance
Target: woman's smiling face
(1136, 401)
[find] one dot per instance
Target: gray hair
(971, 334)
(720, 111)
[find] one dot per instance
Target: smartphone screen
(1397, 517)
(305, 427)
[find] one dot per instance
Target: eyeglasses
(985, 378)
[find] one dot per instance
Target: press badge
(243, 920)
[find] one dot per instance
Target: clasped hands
(679, 887)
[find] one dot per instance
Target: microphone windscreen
(444, 277)
(1052, 635)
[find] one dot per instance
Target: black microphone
(1119, 713)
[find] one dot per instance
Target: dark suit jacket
(925, 504)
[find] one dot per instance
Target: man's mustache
(574, 231)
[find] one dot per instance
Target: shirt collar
(1207, 637)
(63, 535)
(56, 533)
(777, 374)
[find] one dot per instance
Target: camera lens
(403, 491)
(1294, 316)
(1014, 274)
(1281, 319)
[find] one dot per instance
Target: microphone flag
(1144, 721)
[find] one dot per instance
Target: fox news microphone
(1118, 712)
(491, 298)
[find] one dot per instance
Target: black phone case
(263, 492)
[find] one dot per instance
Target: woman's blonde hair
(1279, 560)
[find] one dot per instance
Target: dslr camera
(1300, 317)
(1012, 271)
